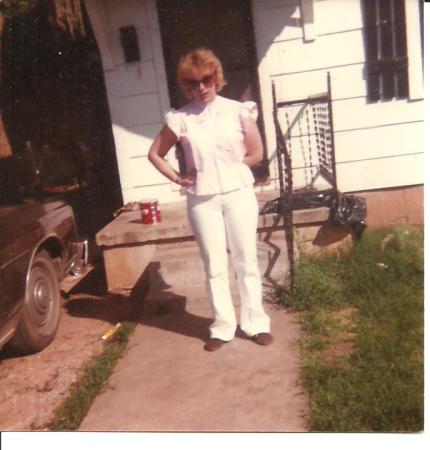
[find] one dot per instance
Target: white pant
(236, 213)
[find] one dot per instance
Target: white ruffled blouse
(212, 137)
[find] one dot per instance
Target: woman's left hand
(253, 142)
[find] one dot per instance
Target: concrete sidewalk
(167, 382)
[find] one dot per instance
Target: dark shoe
(263, 338)
(214, 344)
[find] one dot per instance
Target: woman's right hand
(189, 179)
(165, 140)
(159, 148)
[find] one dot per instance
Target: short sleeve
(248, 109)
(174, 122)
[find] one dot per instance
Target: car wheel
(40, 316)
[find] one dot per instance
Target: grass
(362, 314)
(69, 415)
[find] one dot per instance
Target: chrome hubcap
(41, 300)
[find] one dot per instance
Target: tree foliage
(64, 14)
(11, 8)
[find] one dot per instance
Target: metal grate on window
(386, 51)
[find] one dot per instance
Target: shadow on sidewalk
(180, 322)
(109, 308)
(166, 310)
(151, 303)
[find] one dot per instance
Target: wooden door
(225, 27)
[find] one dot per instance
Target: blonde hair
(196, 62)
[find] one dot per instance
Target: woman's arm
(253, 142)
(165, 140)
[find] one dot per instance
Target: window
(386, 49)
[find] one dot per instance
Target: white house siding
(137, 94)
(378, 145)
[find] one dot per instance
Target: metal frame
(326, 151)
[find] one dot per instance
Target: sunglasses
(207, 81)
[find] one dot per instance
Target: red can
(150, 211)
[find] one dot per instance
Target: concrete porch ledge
(129, 246)
(129, 229)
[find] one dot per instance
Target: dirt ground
(31, 387)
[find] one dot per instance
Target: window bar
(394, 48)
(379, 43)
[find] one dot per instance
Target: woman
(221, 142)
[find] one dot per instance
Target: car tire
(40, 315)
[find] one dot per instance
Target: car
(39, 247)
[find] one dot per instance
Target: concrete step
(128, 245)
(174, 259)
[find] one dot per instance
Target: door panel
(224, 27)
(188, 24)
